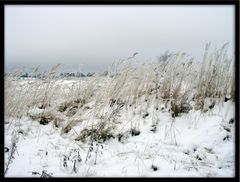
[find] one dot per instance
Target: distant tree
(39, 75)
(79, 74)
(90, 74)
(105, 73)
(82, 75)
(66, 74)
(25, 75)
(72, 74)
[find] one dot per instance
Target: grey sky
(95, 36)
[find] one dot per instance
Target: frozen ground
(192, 145)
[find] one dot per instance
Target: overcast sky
(95, 36)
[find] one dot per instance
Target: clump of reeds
(174, 80)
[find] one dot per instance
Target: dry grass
(175, 79)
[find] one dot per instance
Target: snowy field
(174, 118)
(194, 145)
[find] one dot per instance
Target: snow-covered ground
(196, 144)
